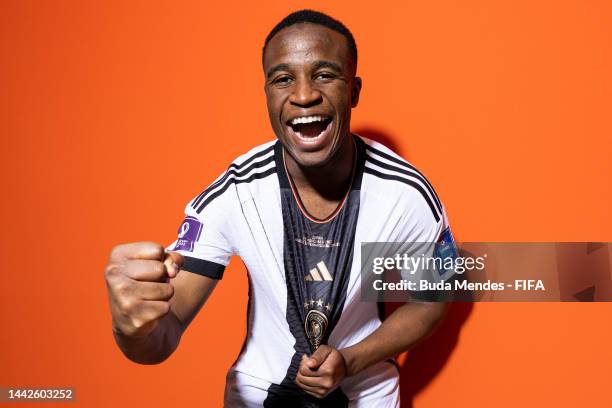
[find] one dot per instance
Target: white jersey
(304, 273)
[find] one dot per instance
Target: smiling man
(296, 211)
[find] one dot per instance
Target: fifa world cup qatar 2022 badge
(188, 233)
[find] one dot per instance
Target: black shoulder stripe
(411, 183)
(233, 169)
(229, 173)
(253, 157)
(408, 166)
(202, 267)
(233, 180)
(408, 173)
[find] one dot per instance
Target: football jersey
(304, 273)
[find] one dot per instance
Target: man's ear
(355, 92)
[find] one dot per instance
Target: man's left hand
(322, 372)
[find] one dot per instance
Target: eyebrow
(327, 64)
(276, 68)
(317, 65)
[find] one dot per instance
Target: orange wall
(114, 115)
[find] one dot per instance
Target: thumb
(318, 357)
(173, 263)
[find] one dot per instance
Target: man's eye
(324, 76)
(283, 80)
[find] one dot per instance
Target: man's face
(310, 89)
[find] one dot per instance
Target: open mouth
(309, 129)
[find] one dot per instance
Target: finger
(176, 257)
(318, 392)
(137, 250)
(307, 371)
(173, 263)
(333, 363)
(319, 356)
(150, 310)
(153, 291)
(145, 270)
(311, 381)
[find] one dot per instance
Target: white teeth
(307, 119)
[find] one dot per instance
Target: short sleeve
(430, 247)
(202, 239)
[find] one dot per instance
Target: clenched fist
(138, 280)
(322, 372)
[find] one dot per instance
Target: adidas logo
(319, 273)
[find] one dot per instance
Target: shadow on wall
(428, 358)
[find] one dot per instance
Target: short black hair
(314, 17)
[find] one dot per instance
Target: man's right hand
(137, 278)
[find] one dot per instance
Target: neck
(331, 180)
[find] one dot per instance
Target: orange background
(114, 114)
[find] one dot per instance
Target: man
(296, 211)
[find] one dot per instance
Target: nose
(304, 94)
